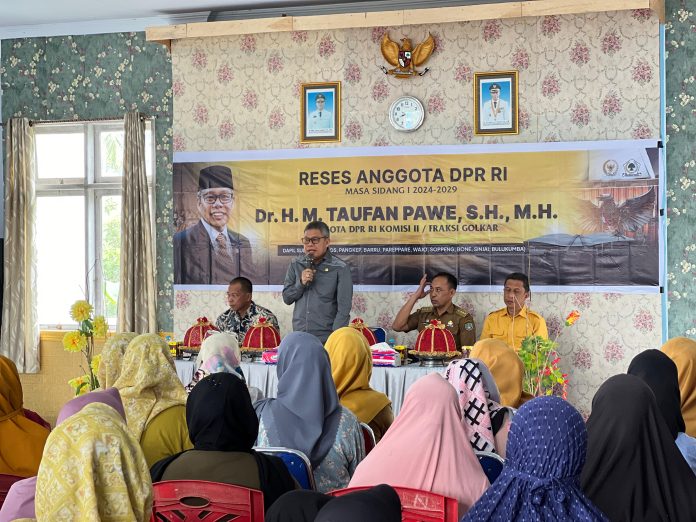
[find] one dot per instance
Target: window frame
(94, 187)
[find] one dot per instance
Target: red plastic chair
(6, 482)
(202, 501)
(369, 436)
(418, 506)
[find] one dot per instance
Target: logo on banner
(610, 168)
(631, 169)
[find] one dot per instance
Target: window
(78, 216)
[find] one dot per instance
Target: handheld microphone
(309, 259)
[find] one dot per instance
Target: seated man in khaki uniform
(515, 321)
(441, 291)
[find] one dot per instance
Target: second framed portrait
(320, 112)
(496, 103)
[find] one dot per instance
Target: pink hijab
(430, 422)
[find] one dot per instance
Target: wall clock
(406, 114)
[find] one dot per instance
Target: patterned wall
(680, 43)
(592, 77)
(99, 76)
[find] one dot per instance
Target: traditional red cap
(261, 336)
(194, 336)
(359, 324)
(435, 338)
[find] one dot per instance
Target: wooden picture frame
(320, 112)
(496, 103)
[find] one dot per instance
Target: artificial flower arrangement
(542, 373)
(82, 340)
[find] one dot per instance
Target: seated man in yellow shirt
(514, 322)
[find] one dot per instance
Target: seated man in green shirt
(442, 289)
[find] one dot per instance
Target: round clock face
(406, 113)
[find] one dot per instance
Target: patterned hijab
(659, 372)
(148, 382)
(468, 376)
(351, 369)
(430, 422)
(634, 470)
(111, 358)
(219, 353)
(540, 481)
(306, 412)
(93, 469)
(21, 440)
(506, 367)
(682, 351)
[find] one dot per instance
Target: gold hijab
(505, 366)
(351, 369)
(93, 469)
(682, 351)
(21, 440)
(112, 357)
(148, 382)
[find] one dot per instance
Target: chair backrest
(380, 333)
(199, 500)
(6, 482)
(492, 464)
(297, 463)
(369, 436)
(419, 506)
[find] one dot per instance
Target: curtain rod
(85, 120)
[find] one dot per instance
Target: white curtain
(19, 335)
(137, 298)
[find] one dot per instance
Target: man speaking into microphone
(319, 284)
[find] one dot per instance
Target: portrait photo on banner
(496, 103)
(320, 112)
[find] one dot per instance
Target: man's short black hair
(318, 225)
(519, 276)
(244, 284)
(451, 280)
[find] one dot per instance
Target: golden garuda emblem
(404, 58)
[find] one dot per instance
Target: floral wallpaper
(612, 327)
(591, 77)
(680, 43)
(100, 76)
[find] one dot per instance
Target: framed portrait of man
(496, 103)
(320, 112)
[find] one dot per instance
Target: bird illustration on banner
(629, 216)
(404, 58)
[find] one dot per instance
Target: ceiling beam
(394, 18)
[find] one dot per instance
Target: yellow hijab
(148, 382)
(505, 366)
(111, 358)
(93, 469)
(21, 440)
(682, 351)
(351, 369)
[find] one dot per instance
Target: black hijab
(297, 506)
(634, 470)
(378, 504)
(659, 372)
(220, 417)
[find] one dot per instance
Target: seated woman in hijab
(220, 353)
(634, 470)
(682, 351)
(77, 478)
(540, 481)
(19, 502)
(486, 422)
(307, 416)
(154, 398)
(112, 358)
(21, 439)
(506, 367)
(444, 462)
(223, 428)
(351, 369)
(660, 374)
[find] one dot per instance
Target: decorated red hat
(194, 336)
(261, 336)
(359, 324)
(435, 338)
